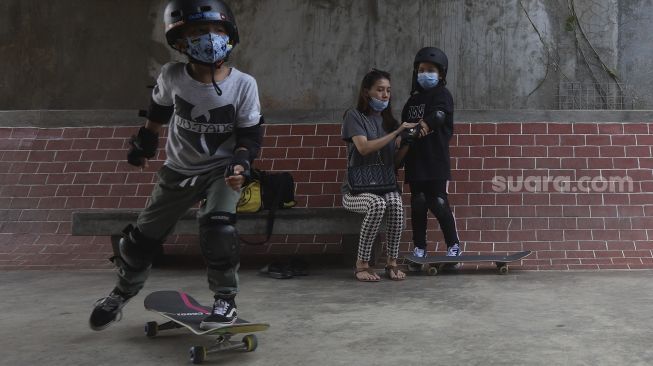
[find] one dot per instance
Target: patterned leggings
(374, 206)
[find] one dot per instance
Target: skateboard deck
(434, 264)
(183, 311)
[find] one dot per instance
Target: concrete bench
(294, 221)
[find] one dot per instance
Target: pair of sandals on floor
(391, 272)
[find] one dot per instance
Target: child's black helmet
(182, 12)
(435, 56)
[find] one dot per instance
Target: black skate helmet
(179, 13)
(435, 56)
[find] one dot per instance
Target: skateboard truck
(223, 343)
(198, 354)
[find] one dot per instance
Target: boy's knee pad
(441, 207)
(136, 250)
(219, 240)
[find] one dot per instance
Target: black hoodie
(428, 157)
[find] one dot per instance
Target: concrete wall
(75, 54)
(311, 55)
(635, 57)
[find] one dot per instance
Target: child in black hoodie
(426, 149)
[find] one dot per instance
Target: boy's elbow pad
(250, 138)
(159, 113)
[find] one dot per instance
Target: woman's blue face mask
(378, 105)
(209, 47)
(427, 80)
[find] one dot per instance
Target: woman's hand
(365, 146)
(406, 126)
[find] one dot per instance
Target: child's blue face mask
(427, 80)
(378, 105)
(209, 48)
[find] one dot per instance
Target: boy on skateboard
(426, 149)
(214, 133)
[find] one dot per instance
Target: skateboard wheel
(197, 354)
(412, 267)
(503, 269)
(432, 271)
(151, 329)
(250, 342)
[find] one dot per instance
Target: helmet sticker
(207, 15)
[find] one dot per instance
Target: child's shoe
(108, 309)
(222, 314)
(454, 250)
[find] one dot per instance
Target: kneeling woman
(370, 131)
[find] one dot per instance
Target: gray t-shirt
(356, 124)
(200, 135)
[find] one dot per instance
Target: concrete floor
(327, 318)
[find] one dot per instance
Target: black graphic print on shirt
(204, 129)
(416, 112)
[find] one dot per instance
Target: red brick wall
(46, 174)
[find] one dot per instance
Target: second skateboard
(434, 265)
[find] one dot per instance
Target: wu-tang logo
(416, 111)
(204, 129)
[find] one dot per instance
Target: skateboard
(433, 265)
(182, 311)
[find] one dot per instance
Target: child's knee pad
(219, 240)
(440, 207)
(136, 251)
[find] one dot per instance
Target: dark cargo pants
(171, 198)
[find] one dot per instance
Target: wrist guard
(143, 145)
(410, 135)
(241, 157)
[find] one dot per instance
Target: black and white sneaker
(108, 310)
(222, 314)
(454, 250)
(419, 252)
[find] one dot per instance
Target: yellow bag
(250, 198)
